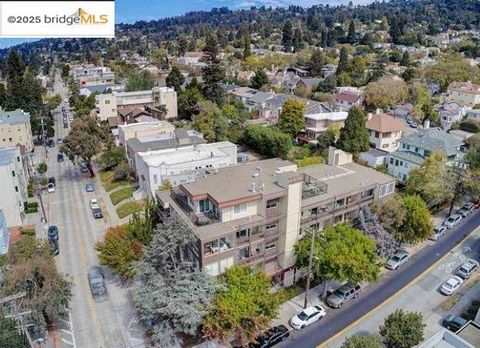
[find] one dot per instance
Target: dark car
(60, 157)
(96, 280)
(97, 213)
(53, 239)
(51, 180)
(454, 323)
(342, 295)
(270, 337)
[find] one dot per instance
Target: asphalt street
(375, 294)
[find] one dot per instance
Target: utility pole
(309, 270)
(458, 187)
(15, 314)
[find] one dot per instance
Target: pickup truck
(342, 295)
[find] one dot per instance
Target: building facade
(255, 213)
(4, 234)
(385, 131)
(144, 129)
(464, 93)
(93, 75)
(15, 129)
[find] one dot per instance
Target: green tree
(450, 68)
(242, 305)
(175, 79)
(326, 139)
(259, 80)
(417, 225)
(188, 101)
(213, 74)
(402, 329)
(409, 74)
(351, 37)
(246, 46)
(3, 96)
(9, 334)
(363, 341)
(354, 135)
(341, 253)
(140, 81)
(270, 142)
(166, 186)
(328, 85)
(112, 157)
(343, 64)
(42, 168)
(405, 61)
(287, 36)
(316, 63)
(385, 93)
(291, 119)
(391, 213)
(65, 71)
(211, 122)
(15, 84)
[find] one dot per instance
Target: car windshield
(302, 316)
(340, 292)
(463, 269)
(395, 258)
(451, 219)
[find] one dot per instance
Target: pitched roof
(350, 97)
(467, 87)
(384, 123)
(434, 139)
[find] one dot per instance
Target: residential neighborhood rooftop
(14, 117)
(434, 139)
(384, 123)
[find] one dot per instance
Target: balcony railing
(312, 187)
(200, 219)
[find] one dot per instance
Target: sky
(130, 11)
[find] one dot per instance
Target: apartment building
(144, 129)
(254, 213)
(464, 93)
(93, 75)
(15, 129)
(385, 131)
(413, 150)
(181, 165)
(108, 105)
(13, 185)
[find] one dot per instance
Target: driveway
(376, 294)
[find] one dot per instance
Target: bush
(309, 161)
(31, 207)
(288, 293)
(106, 175)
(120, 195)
(268, 141)
(114, 184)
(129, 208)
(28, 232)
(470, 126)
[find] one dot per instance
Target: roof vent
(254, 187)
(255, 174)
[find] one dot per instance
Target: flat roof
(470, 333)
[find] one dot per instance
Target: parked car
(452, 221)
(342, 295)
(51, 180)
(466, 209)
(94, 204)
(454, 323)
(308, 316)
(399, 258)
(83, 168)
(97, 213)
(96, 280)
(90, 187)
(59, 141)
(53, 239)
(451, 285)
(60, 157)
(438, 232)
(467, 269)
(270, 337)
(50, 187)
(414, 125)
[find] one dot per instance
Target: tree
(405, 61)
(246, 49)
(354, 135)
(326, 139)
(213, 73)
(417, 225)
(385, 93)
(259, 80)
(270, 142)
(42, 168)
(291, 119)
(361, 341)
(170, 294)
(188, 101)
(243, 304)
(10, 335)
(210, 122)
(409, 74)
(84, 141)
(343, 65)
(402, 329)
(112, 158)
(297, 40)
(316, 63)
(341, 253)
(166, 186)
(140, 81)
(122, 171)
(351, 37)
(65, 72)
(328, 85)
(287, 36)
(175, 79)
(450, 68)
(391, 213)
(15, 84)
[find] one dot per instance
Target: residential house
(308, 84)
(143, 129)
(254, 213)
(13, 185)
(107, 105)
(93, 75)
(15, 129)
(251, 98)
(329, 69)
(464, 93)
(473, 115)
(385, 131)
(285, 80)
(318, 118)
(190, 58)
(346, 99)
(414, 148)
(182, 165)
(4, 234)
(450, 113)
(300, 71)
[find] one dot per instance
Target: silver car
(96, 280)
(452, 221)
(438, 232)
(466, 270)
(399, 258)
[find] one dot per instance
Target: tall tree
(417, 225)
(242, 306)
(405, 61)
(351, 36)
(246, 46)
(291, 119)
(175, 79)
(354, 135)
(15, 71)
(402, 329)
(260, 79)
(287, 36)
(140, 81)
(213, 73)
(188, 100)
(316, 63)
(210, 122)
(297, 40)
(363, 341)
(343, 64)
(385, 93)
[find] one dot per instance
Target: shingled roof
(384, 123)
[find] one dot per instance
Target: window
(270, 246)
(401, 163)
(16, 188)
(386, 189)
(408, 147)
(406, 164)
(243, 253)
(396, 162)
(18, 158)
(391, 160)
(271, 226)
(377, 135)
(272, 204)
(204, 205)
(243, 233)
(13, 173)
(211, 247)
(107, 102)
(416, 149)
(240, 208)
(155, 180)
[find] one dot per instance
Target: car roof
(310, 310)
(400, 253)
(470, 263)
(453, 280)
(454, 216)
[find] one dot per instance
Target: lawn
(129, 208)
(121, 194)
(114, 184)
(106, 175)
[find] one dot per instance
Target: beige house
(15, 129)
(254, 213)
(93, 75)
(144, 129)
(385, 131)
(464, 93)
(107, 105)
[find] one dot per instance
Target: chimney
(426, 124)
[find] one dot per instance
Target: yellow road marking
(394, 296)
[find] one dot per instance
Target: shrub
(129, 208)
(471, 126)
(28, 231)
(121, 194)
(114, 184)
(268, 141)
(106, 175)
(309, 161)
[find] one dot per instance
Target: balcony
(199, 219)
(312, 187)
(272, 212)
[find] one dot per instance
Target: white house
(385, 131)
(464, 93)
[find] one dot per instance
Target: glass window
(225, 243)
(240, 208)
(243, 253)
(211, 247)
(270, 246)
(271, 226)
(386, 189)
(13, 173)
(243, 233)
(391, 160)
(204, 205)
(272, 204)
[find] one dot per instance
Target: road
(95, 324)
(376, 294)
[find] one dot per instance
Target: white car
(452, 221)
(94, 204)
(451, 285)
(51, 187)
(438, 232)
(308, 316)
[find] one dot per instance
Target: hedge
(268, 141)
(129, 208)
(28, 231)
(470, 126)
(118, 196)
